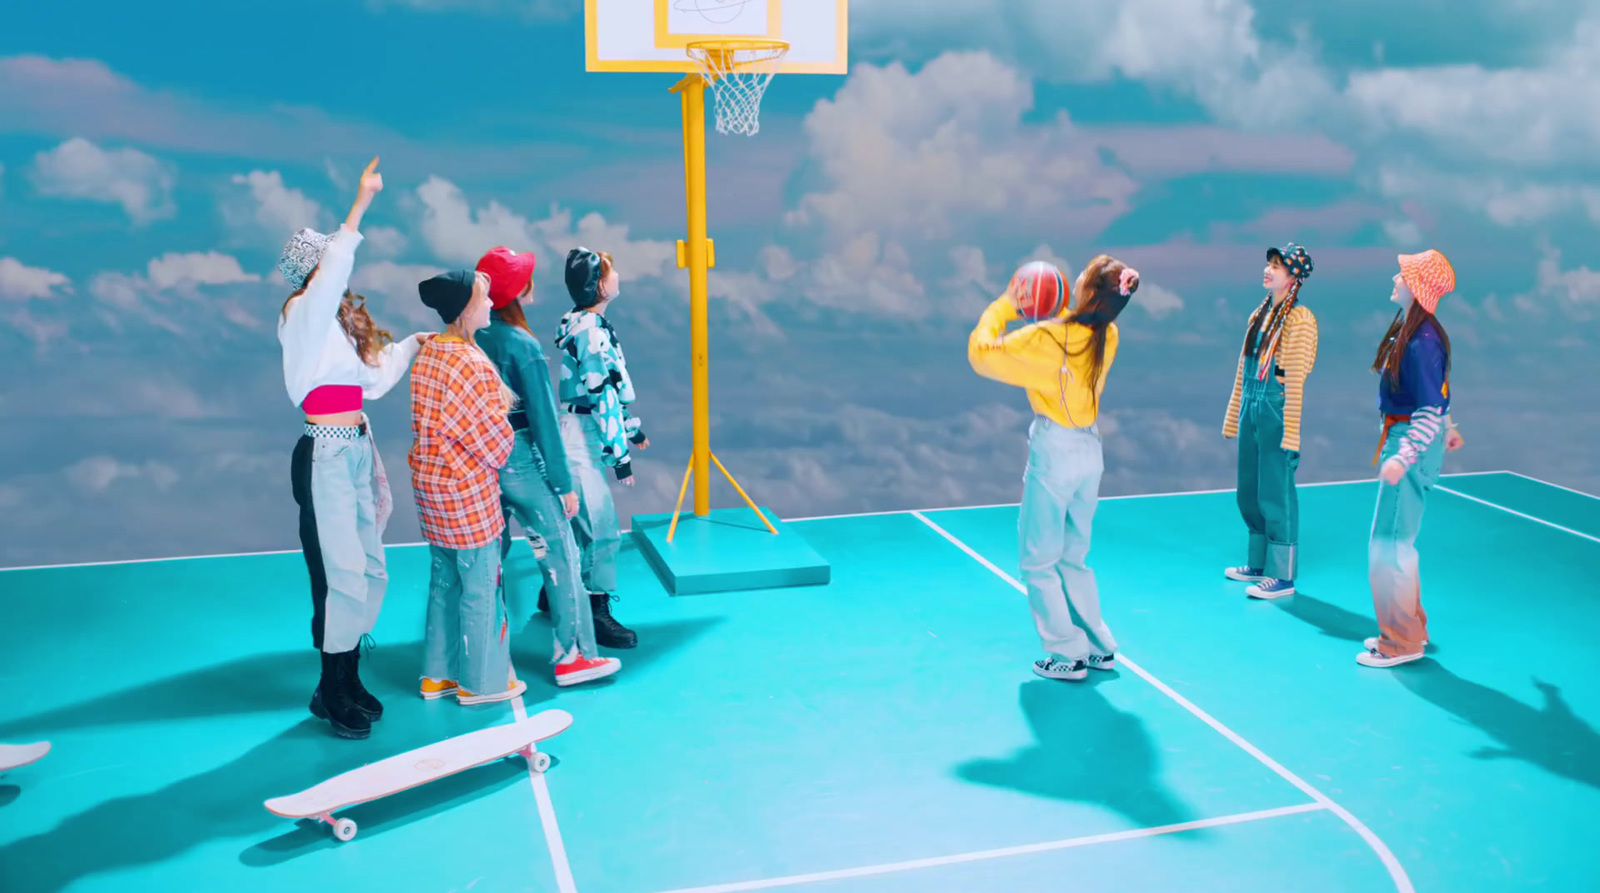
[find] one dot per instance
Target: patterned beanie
(583, 277)
(301, 256)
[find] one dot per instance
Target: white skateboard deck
(418, 767)
(15, 756)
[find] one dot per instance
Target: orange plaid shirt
(461, 439)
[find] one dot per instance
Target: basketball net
(738, 71)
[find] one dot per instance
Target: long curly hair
(357, 323)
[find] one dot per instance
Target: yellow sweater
(1031, 358)
(1297, 354)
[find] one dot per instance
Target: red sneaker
(584, 669)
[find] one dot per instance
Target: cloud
(271, 210)
(22, 283)
(94, 475)
(1574, 292)
(177, 293)
(79, 169)
(1545, 113)
(932, 154)
(457, 234)
(1506, 198)
(86, 99)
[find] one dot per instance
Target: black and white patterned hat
(301, 256)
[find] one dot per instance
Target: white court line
(1005, 852)
(1524, 515)
(1402, 881)
(1529, 477)
(547, 815)
(950, 508)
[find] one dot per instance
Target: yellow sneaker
(433, 689)
(516, 688)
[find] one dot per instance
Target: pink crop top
(332, 398)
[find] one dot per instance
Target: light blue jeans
(599, 534)
(468, 633)
(336, 479)
(1392, 561)
(527, 495)
(1061, 489)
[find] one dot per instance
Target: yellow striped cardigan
(1297, 353)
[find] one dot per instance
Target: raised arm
(1005, 357)
(307, 316)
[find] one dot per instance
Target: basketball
(1040, 290)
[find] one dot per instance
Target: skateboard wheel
(344, 829)
(541, 762)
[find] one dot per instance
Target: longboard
(15, 756)
(432, 762)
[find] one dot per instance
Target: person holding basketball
(1060, 358)
(1280, 348)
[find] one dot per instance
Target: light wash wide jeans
(599, 534)
(338, 482)
(467, 638)
(1392, 561)
(1061, 489)
(527, 495)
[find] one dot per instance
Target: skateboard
(15, 756)
(420, 766)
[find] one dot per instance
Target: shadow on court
(1551, 737)
(226, 801)
(1332, 620)
(1088, 751)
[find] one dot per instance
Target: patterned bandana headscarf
(301, 256)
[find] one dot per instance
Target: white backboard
(649, 35)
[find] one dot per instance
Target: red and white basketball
(1040, 290)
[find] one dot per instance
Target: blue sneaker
(1244, 574)
(1271, 589)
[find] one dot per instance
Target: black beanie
(448, 293)
(583, 277)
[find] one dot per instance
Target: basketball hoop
(738, 71)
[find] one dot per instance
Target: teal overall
(1267, 499)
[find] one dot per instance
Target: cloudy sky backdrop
(148, 180)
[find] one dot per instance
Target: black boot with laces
(363, 699)
(332, 702)
(608, 633)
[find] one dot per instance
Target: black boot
(363, 699)
(608, 632)
(331, 701)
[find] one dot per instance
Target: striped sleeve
(1426, 423)
(1299, 355)
(1230, 421)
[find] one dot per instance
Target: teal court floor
(883, 732)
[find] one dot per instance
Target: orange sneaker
(516, 687)
(434, 689)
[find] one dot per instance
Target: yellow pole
(747, 500)
(677, 510)
(693, 92)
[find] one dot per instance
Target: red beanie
(509, 273)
